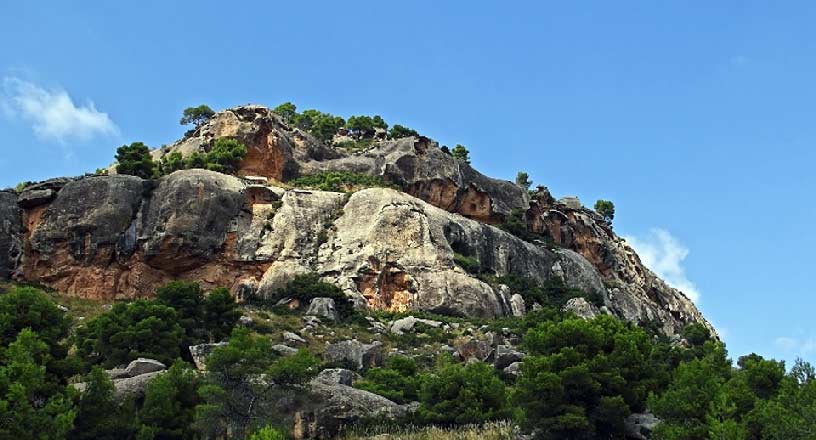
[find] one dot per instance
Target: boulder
(640, 425)
(506, 356)
(342, 405)
(137, 368)
(517, 307)
(472, 348)
(407, 324)
(284, 350)
(513, 369)
(292, 338)
(200, 353)
(581, 308)
(355, 354)
(323, 307)
(335, 376)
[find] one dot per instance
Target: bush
(287, 111)
(462, 394)
(552, 293)
(101, 414)
(171, 163)
(365, 126)
(396, 381)
(338, 181)
(582, 378)
(129, 331)
(398, 131)
(226, 155)
(268, 433)
(469, 264)
(294, 370)
(135, 160)
(169, 404)
(321, 125)
(196, 115)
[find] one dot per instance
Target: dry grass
(489, 431)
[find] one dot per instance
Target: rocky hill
(397, 249)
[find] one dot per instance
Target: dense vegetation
(580, 378)
(340, 181)
(224, 156)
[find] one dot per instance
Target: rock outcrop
(110, 237)
(11, 233)
(280, 152)
(635, 292)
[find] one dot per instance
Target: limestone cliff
(120, 236)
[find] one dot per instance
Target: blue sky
(695, 118)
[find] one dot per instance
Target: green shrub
(462, 394)
(581, 378)
(338, 181)
(135, 160)
(169, 404)
(129, 331)
(396, 381)
(226, 155)
(469, 264)
(268, 433)
(398, 131)
(365, 126)
(552, 293)
(287, 111)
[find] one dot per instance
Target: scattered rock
(335, 376)
(292, 338)
(407, 324)
(283, 350)
(513, 369)
(245, 321)
(506, 356)
(473, 348)
(323, 307)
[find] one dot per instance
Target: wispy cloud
(664, 254)
(52, 113)
(797, 346)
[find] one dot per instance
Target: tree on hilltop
(196, 115)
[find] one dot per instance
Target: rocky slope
(120, 236)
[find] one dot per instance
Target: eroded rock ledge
(121, 237)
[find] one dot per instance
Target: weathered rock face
(635, 292)
(280, 152)
(121, 237)
(11, 233)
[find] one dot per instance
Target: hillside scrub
(580, 378)
(338, 181)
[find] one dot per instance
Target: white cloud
(663, 254)
(52, 113)
(797, 346)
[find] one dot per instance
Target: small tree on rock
(461, 153)
(523, 180)
(197, 115)
(135, 160)
(606, 209)
(287, 111)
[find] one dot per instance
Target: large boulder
(581, 308)
(324, 308)
(355, 354)
(11, 233)
(187, 218)
(342, 405)
(407, 324)
(639, 426)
